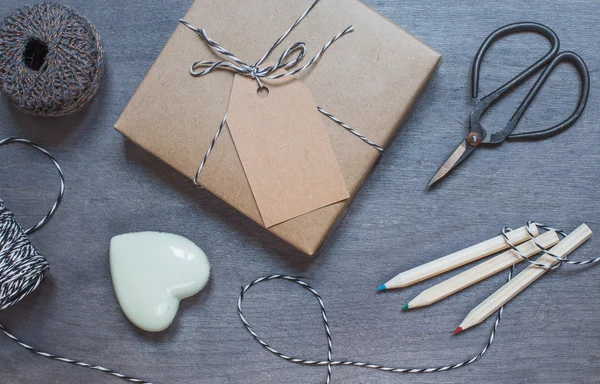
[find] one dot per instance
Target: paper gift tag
(283, 146)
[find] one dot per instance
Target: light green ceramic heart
(152, 272)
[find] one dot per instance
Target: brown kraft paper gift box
(369, 79)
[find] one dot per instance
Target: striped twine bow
(254, 71)
(257, 73)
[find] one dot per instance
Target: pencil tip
(405, 308)
(381, 288)
(458, 330)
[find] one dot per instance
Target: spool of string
(51, 60)
(22, 268)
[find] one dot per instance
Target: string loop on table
(61, 192)
(329, 363)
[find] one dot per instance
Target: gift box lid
(369, 79)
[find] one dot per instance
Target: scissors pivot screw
(477, 135)
(474, 139)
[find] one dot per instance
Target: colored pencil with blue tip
(481, 272)
(458, 259)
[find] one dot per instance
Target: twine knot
(253, 72)
(257, 73)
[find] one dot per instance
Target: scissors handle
(515, 81)
(579, 64)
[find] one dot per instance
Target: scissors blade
(463, 151)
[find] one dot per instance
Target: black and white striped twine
(22, 268)
(238, 66)
(562, 260)
(330, 362)
(349, 129)
(18, 140)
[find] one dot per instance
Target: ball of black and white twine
(51, 60)
(22, 268)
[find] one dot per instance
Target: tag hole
(262, 92)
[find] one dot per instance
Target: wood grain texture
(393, 225)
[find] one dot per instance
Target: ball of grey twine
(51, 60)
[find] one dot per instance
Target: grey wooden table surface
(549, 334)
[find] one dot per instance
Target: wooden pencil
(524, 279)
(457, 259)
(480, 272)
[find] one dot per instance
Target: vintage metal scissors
(479, 136)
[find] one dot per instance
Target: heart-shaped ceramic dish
(152, 272)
